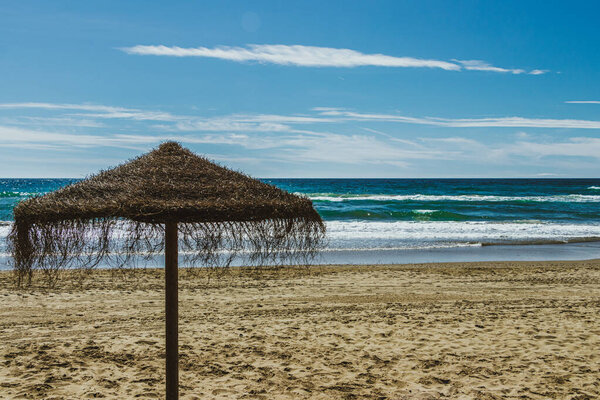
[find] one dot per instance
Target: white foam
(17, 194)
(594, 187)
(419, 246)
(4, 230)
(458, 231)
(367, 235)
(567, 198)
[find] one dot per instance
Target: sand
(453, 331)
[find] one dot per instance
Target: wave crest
(8, 194)
(567, 198)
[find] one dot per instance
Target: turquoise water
(568, 200)
(412, 215)
(444, 213)
(14, 190)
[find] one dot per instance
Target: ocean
(425, 220)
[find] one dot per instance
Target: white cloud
(297, 55)
(459, 141)
(137, 115)
(97, 111)
(323, 147)
(185, 123)
(288, 119)
(573, 147)
(11, 135)
(583, 102)
(357, 149)
(515, 122)
(29, 138)
(58, 106)
(90, 114)
(291, 147)
(522, 151)
(224, 124)
(53, 121)
(358, 139)
(313, 56)
(251, 123)
(510, 122)
(478, 65)
(352, 149)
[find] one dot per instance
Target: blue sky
(303, 89)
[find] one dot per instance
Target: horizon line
(493, 177)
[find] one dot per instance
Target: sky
(337, 89)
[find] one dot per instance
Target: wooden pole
(171, 311)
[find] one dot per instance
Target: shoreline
(571, 251)
(543, 241)
(585, 250)
(576, 250)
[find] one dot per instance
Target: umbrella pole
(171, 311)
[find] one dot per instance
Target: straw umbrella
(163, 200)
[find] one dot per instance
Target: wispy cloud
(507, 122)
(573, 147)
(547, 174)
(326, 147)
(12, 135)
(324, 137)
(133, 114)
(583, 102)
(90, 115)
(478, 65)
(313, 56)
(249, 123)
(37, 139)
(297, 55)
(59, 106)
(97, 111)
(53, 121)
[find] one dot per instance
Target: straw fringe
(118, 217)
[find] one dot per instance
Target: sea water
(425, 220)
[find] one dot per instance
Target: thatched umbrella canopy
(141, 206)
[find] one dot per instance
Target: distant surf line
(568, 198)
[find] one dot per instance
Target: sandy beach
(467, 331)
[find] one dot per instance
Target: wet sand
(510, 330)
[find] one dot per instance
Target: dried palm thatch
(120, 214)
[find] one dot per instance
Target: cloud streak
(502, 122)
(573, 147)
(313, 56)
(59, 106)
(478, 65)
(271, 122)
(296, 55)
(95, 111)
(583, 102)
